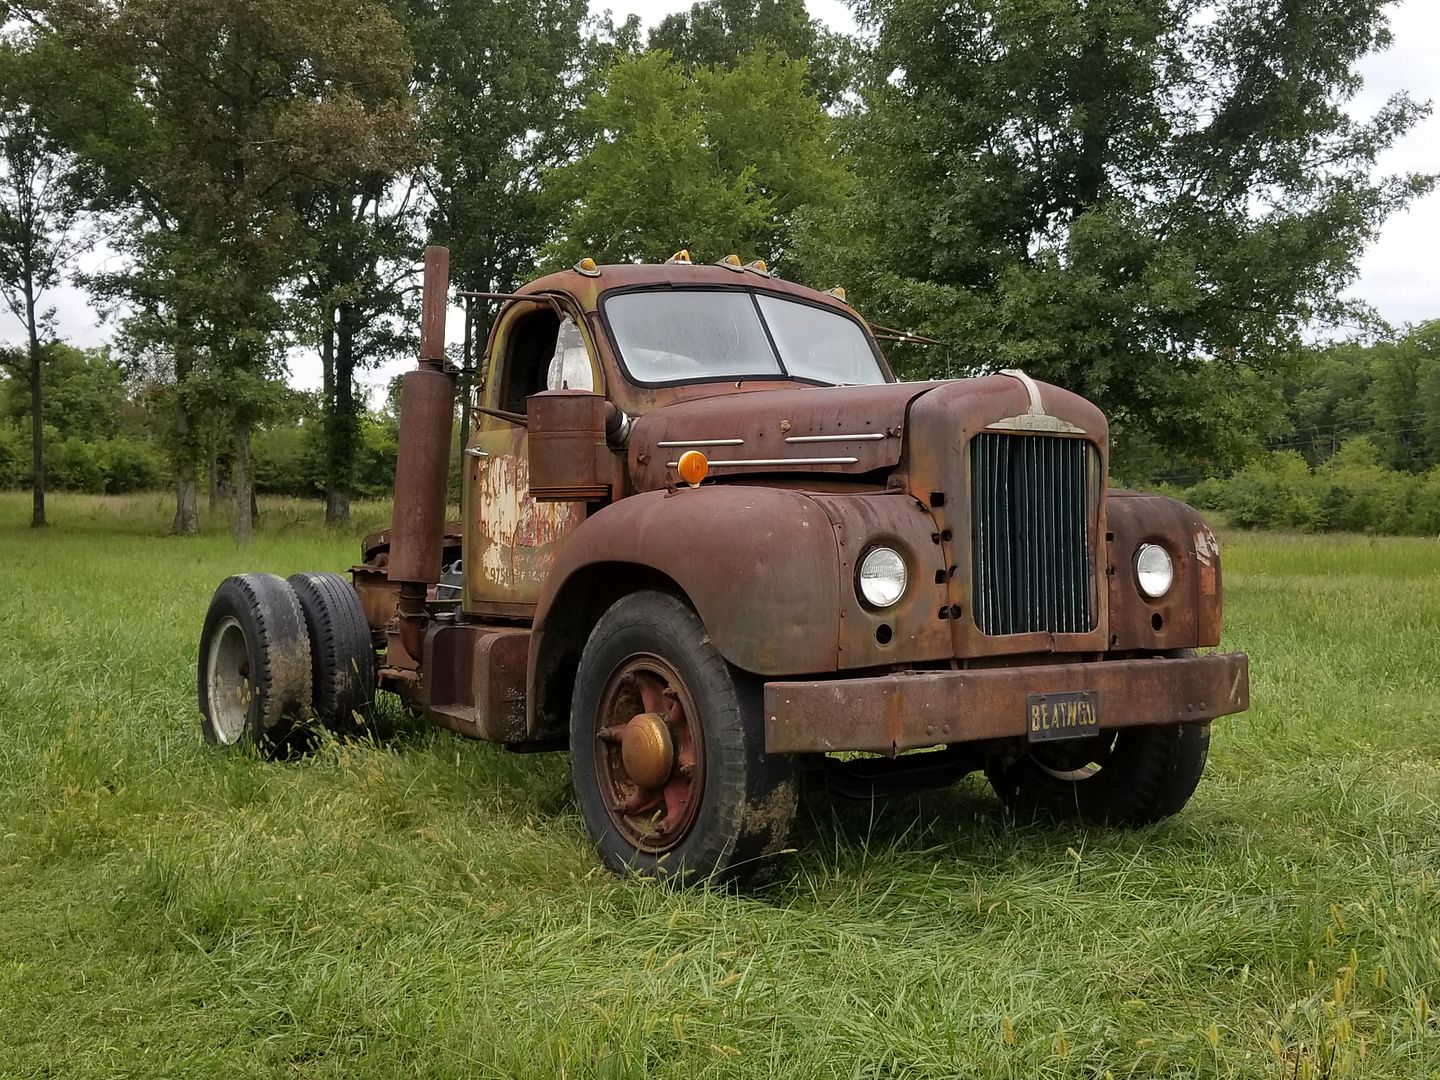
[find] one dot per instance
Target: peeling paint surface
(517, 537)
(1207, 548)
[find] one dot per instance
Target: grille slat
(1030, 513)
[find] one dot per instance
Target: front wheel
(667, 750)
(1134, 776)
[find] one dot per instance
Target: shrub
(1276, 491)
(1425, 505)
(74, 464)
(1352, 492)
(14, 458)
(131, 466)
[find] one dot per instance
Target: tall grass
(429, 907)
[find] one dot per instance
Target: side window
(529, 347)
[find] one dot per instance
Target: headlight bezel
(883, 551)
(1150, 549)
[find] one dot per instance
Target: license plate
(1069, 714)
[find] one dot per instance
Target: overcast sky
(1399, 275)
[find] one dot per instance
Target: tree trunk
(344, 427)
(212, 466)
(187, 512)
(244, 485)
(37, 419)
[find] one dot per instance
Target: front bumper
(907, 710)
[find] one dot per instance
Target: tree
(234, 110)
(718, 160)
(498, 82)
(38, 214)
(717, 33)
(1139, 199)
(361, 241)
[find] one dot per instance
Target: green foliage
(718, 33)
(83, 393)
(1133, 199)
(717, 160)
(131, 465)
(98, 436)
(1388, 390)
(1354, 491)
(14, 458)
(498, 82)
(207, 128)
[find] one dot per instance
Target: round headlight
(1154, 570)
(882, 577)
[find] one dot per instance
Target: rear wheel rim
(654, 818)
(227, 680)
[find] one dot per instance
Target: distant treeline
(105, 435)
(1360, 450)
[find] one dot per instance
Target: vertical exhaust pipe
(422, 464)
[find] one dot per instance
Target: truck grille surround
(1031, 554)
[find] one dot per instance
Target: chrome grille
(1030, 521)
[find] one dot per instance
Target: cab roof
(588, 286)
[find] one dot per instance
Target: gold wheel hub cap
(647, 750)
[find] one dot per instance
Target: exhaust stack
(422, 465)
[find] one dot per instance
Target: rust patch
(772, 818)
(517, 536)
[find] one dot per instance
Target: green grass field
(430, 908)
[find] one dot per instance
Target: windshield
(684, 335)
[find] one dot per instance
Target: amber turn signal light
(693, 467)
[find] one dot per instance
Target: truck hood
(846, 430)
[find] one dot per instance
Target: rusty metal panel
(915, 628)
(475, 679)
(566, 434)
(585, 291)
(942, 424)
(906, 711)
(512, 539)
(1189, 614)
(851, 430)
(759, 565)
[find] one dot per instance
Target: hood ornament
(1035, 418)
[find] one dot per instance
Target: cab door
(510, 539)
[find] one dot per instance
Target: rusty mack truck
(712, 547)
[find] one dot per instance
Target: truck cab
(713, 548)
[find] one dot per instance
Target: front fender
(1188, 615)
(759, 565)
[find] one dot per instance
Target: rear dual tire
(255, 670)
(342, 653)
(274, 653)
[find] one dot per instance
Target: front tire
(1134, 776)
(254, 670)
(667, 750)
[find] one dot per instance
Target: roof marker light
(681, 256)
(838, 292)
(759, 267)
(587, 267)
(731, 262)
